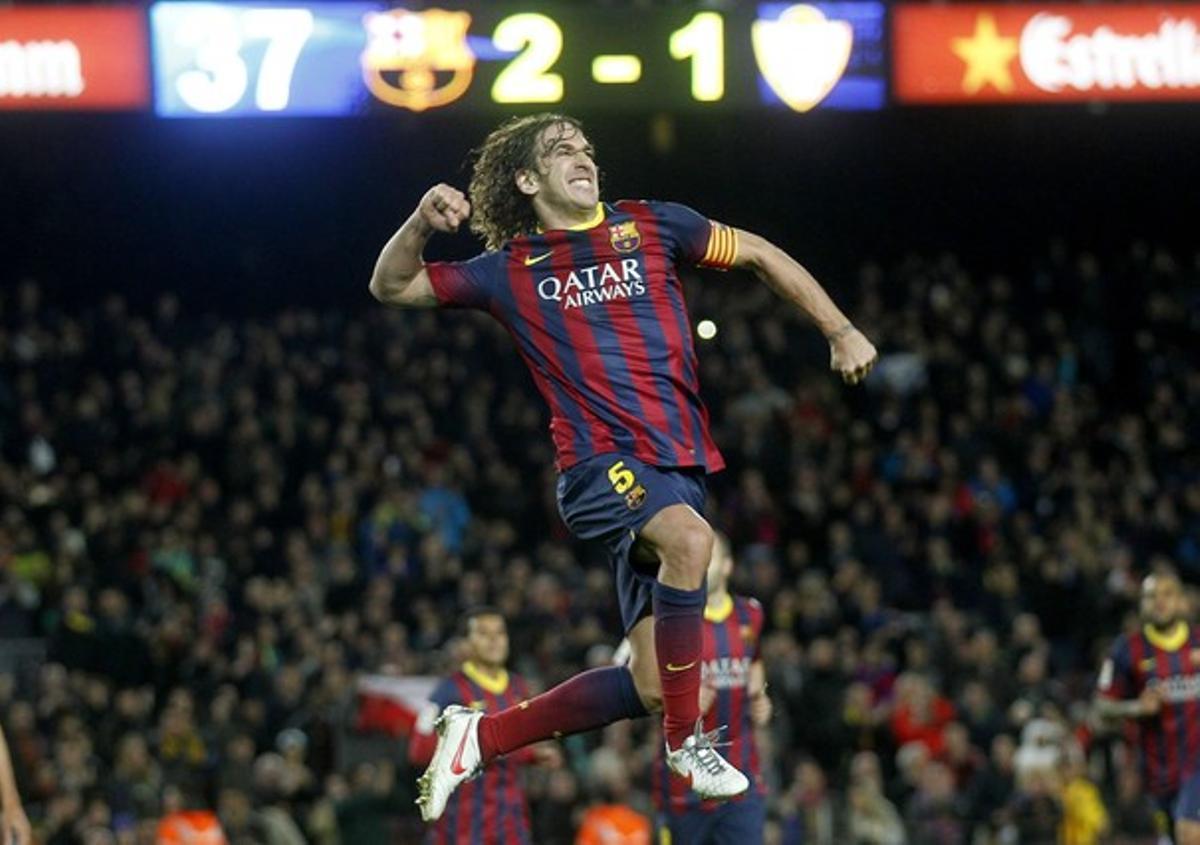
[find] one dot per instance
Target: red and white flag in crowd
(390, 704)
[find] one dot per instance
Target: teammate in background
(12, 814)
(590, 291)
(491, 810)
(733, 692)
(1153, 676)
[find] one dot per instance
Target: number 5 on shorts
(622, 479)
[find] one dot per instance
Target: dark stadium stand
(212, 525)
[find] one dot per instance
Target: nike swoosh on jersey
(671, 667)
(530, 260)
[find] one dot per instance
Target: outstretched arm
(851, 354)
(12, 814)
(1110, 710)
(400, 279)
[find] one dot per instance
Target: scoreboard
(364, 57)
(346, 58)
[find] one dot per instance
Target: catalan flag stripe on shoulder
(722, 247)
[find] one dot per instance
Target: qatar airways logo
(1177, 688)
(598, 283)
(1054, 58)
(726, 672)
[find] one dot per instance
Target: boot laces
(704, 747)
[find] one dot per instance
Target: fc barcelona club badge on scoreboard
(418, 60)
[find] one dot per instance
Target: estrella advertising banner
(985, 53)
(73, 57)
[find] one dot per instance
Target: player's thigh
(643, 662)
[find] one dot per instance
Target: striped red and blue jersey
(731, 642)
(1170, 741)
(491, 809)
(599, 317)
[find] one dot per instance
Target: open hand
(444, 208)
(851, 355)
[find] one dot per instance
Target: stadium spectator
(213, 526)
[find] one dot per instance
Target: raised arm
(851, 355)
(12, 814)
(400, 279)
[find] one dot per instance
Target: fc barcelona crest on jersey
(624, 237)
(635, 498)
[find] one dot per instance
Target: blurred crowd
(210, 527)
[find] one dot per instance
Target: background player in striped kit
(590, 292)
(1152, 675)
(490, 810)
(733, 692)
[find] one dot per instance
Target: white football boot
(698, 759)
(456, 759)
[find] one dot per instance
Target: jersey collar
(496, 686)
(595, 220)
(1172, 640)
(719, 613)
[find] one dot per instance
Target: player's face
(1162, 600)
(487, 641)
(567, 174)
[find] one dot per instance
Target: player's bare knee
(1187, 833)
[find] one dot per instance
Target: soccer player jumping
(591, 294)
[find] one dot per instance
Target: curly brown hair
(499, 211)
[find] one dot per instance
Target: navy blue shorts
(732, 823)
(1186, 806)
(611, 498)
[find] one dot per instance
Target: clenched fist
(851, 355)
(444, 208)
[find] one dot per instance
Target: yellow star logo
(987, 55)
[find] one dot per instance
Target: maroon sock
(678, 637)
(589, 700)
